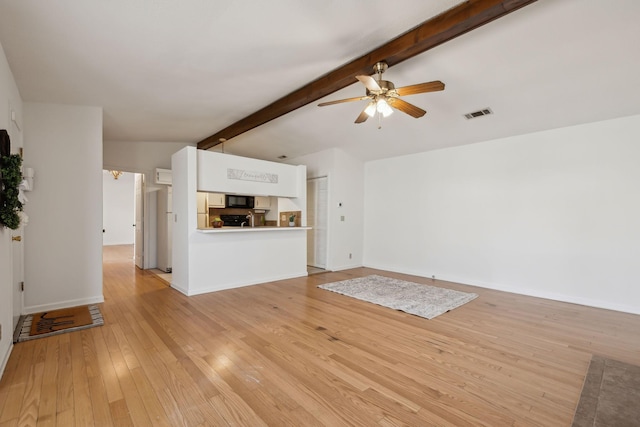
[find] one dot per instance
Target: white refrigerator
(165, 228)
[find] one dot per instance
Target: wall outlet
(350, 256)
(341, 217)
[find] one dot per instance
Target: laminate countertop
(248, 229)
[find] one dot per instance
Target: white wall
(551, 214)
(346, 186)
(184, 167)
(8, 95)
(63, 241)
(207, 262)
(141, 157)
(118, 209)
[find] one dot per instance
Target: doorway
(118, 214)
(118, 208)
(317, 219)
(129, 219)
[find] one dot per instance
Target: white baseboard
(558, 297)
(179, 288)
(523, 291)
(344, 267)
(242, 284)
(63, 304)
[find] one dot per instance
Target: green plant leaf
(10, 178)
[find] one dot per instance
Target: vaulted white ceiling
(180, 71)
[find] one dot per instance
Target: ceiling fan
(383, 95)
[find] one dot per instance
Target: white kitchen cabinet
(202, 202)
(216, 200)
(203, 211)
(261, 202)
(219, 172)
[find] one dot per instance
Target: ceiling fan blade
(433, 86)
(405, 107)
(363, 116)
(369, 82)
(340, 101)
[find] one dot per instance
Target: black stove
(234, 220)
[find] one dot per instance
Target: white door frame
(17, 272)
(139, 247)
(318, 233)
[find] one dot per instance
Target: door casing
(139, 235)
(317, 219)
(17, 253)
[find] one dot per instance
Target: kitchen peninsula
(211, 259)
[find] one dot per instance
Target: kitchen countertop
(247, 229)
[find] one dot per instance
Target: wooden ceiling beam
(431, 33)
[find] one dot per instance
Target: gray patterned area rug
(610, 395)
(413, 298)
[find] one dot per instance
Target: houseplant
(292, 220)
(10, 177)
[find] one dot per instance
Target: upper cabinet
(209, 200)
(241, 175)
(261, 202)
(201, 198)
(216, 200)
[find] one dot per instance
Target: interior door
(138, 245)
(317, 219)
(17, 252)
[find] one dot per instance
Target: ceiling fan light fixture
(383, 97)
(371, 109)
(383, 108)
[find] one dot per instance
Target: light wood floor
(287, 353)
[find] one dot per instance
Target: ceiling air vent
(479, 113)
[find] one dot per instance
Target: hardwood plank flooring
(288, 354)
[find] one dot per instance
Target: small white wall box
(163, 176)
(28, 174)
